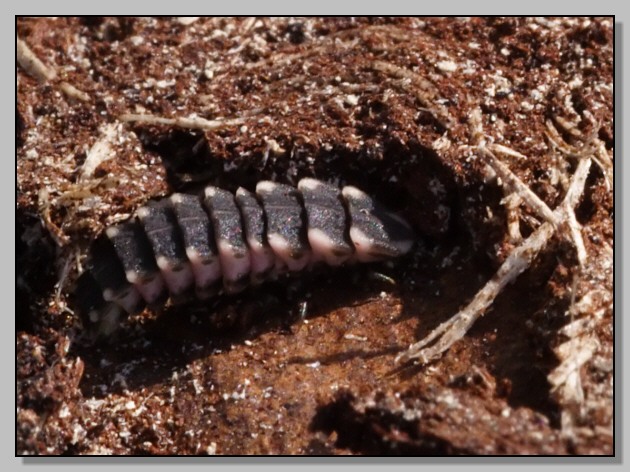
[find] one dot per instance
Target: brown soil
(380, 103)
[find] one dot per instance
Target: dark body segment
(134, 252)
(286, 224)
(228, 231)
(163, 232)
(255, 232)
(200, 245)
(328, 233)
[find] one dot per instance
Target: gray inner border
(326, 6)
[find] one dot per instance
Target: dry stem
(445, 335)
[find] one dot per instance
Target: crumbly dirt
(306, 366)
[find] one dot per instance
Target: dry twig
(43, 203)
(445, 335)
(501, 149)
(523, 191)
(449, 332)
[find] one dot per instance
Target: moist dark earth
(306, 365)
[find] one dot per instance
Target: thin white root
(193, 122)
(475, 127)
(576, 189)
(604, 161)
(566, 377)
(567, 126)
(584, 315)
(40, 71)
(559, 143)
(573, 354)
(187, 20)
(43, 203)
(73, 92)
(507, 151)
(594, 147)
(536, 204)
(517, 262)
(66, 268)
(567, 209)
(508, 178)
(32, 65)
(423, 90)
(100, 152)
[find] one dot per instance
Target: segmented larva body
(220, 241)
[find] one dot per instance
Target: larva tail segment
(133, 249)
(377, 233)
(100, 316)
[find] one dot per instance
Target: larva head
(100, 317)
(377, 233)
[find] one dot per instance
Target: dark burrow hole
(409, 179)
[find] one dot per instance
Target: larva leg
(108, 272)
